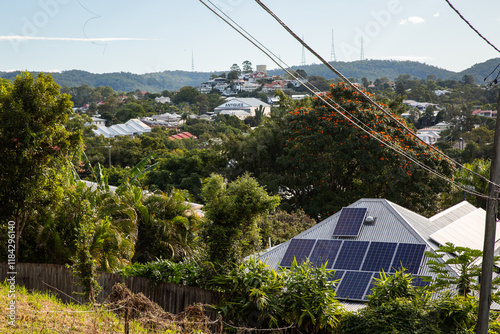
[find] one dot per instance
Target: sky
(153, 36)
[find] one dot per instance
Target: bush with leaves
(309, 299)
(257, 297)
(281, 226)
(165, 271)
(231, 209)
(464, 261)
(396, 306)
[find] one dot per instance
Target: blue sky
(153, 35)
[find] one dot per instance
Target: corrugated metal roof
(468, 231)
(459, 224)
(448, 216)
(391, 225)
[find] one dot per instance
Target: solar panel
(336, 275)
(419, 281)
(298, 248)
(349, 223)
(379, 256)
(372, 284)
(351, 255)
(409, 257)
(354, 285)
(325, 250)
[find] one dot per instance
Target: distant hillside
(373, 69)
(127, 82)
(482, 70)
(173, 80)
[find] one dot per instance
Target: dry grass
(44, 313)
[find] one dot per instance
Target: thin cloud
(437, 14)
(71, 39)
(412, 19)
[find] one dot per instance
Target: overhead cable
(471, 26)
(370, 100)
(336, 108)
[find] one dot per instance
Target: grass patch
(44, 313)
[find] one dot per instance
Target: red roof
(183, 135)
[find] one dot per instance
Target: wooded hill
(173, 80)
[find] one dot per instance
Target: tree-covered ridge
(173, 80)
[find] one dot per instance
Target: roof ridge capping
(450, 209)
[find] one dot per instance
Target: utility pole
(489, 234)
(109, 154)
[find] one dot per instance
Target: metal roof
(467, 231)
(391, 225)
(462, 224)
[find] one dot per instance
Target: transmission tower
(333, 57)
(362, 55)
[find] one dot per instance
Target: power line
(369, 132)
(471, 26)
(270, 12)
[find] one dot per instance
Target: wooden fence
(58, 280)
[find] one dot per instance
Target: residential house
(131, 128)
(98, 121)
(270, 88)
(429, 135)
(372, 235)
(485, 113)
(242, 107)
(432, 134)
(162, 99)
(183, 135)
(256, 76)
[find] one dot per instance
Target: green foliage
(165, 271)
(84, 265)
(398, 285)
(255, 296)
(397, 307)
(185, 170)
(453, 314)
(33, 143)
(309, 300)
(399, 315)
(231, 232)
(281, 226)
(464, 261)
(186, 94)
(251, 295)
(172, 230)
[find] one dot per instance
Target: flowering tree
(330, 163)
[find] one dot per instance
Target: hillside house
(485, 113)
(131, 128)
(372, 235)
(242, 107)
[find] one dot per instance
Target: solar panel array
(357, 263)
(298, 249)
(350, 222)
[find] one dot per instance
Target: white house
(242, 107)
(429, 136)
(98, 121)
(131, 128)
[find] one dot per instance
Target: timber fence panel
(58, 280)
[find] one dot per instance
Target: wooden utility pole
(489, 234)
